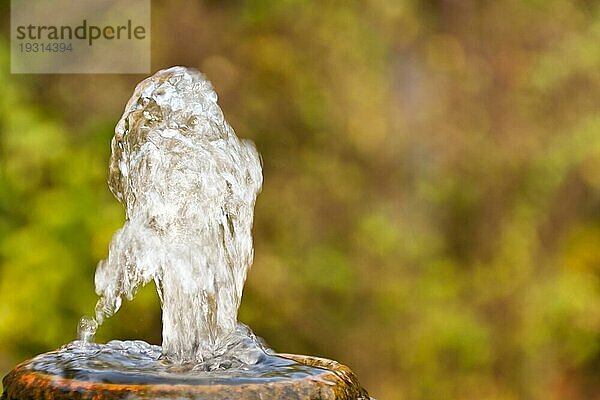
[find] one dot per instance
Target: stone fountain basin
(335, 382)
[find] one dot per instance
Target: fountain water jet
(189, 185)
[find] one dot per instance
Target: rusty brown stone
(337, 382)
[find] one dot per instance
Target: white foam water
(137, 362)
(189, 185)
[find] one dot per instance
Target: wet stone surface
(309, 378)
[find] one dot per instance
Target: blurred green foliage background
(431, 206)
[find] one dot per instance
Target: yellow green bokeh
(431, 206)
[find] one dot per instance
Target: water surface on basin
(137, 362)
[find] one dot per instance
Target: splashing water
(189, 185)
(137, 362)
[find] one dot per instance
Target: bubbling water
(189, 185)
(137, 362)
